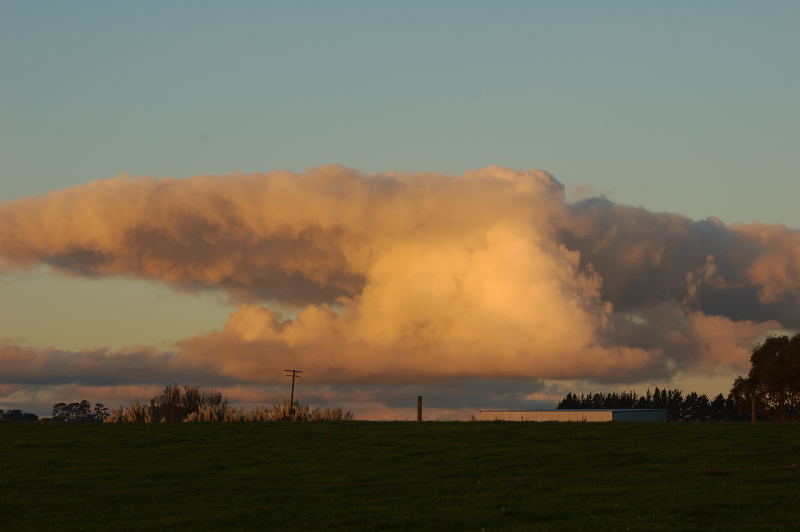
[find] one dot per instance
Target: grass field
(362, 475)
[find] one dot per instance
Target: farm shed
(616, 414)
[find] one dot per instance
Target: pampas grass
(278, 412)
(135, 413)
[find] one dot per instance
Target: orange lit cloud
(776, 271)
(400, 278)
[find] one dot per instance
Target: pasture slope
(400, 475)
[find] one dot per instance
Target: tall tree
(772, 385)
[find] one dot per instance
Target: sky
(486, 204)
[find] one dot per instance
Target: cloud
(776, 269)
(392, 279)
(36, 366)
(744, 272)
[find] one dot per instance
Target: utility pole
(419, 408)
(294, 374)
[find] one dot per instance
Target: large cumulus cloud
(401, 278)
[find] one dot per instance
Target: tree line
(691, 407)
(770, 391)
(80, 412)
(10, 416)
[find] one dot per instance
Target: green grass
(435, 476)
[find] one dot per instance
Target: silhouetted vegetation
(15, 415)
(278, 412)
(190, 403)
(772, 385)
(175, 404)
(172, 405)
(771, 391)
(81, 412)
(692, 407)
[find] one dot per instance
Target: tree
(17, 415)
(772, 386)
(571, 401)
(174, 404)
(100, 412)
(674, 404)
(718, 408)
(695, 408)
(79, 412)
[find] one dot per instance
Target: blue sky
(687, 107)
